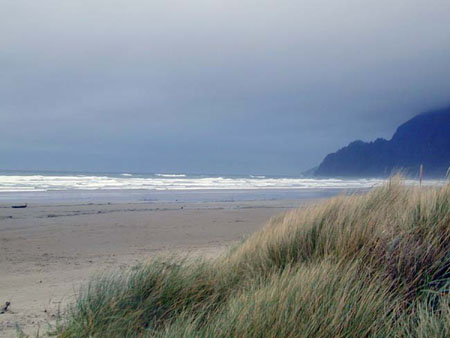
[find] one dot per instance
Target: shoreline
(165, 196)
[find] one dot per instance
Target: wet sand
(48, 250)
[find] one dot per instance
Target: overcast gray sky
(199, 86)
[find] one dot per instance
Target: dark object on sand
(5, 308)
(18, 206)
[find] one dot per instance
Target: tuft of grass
(371, 265)
(317, 300)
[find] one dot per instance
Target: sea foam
(24, 183)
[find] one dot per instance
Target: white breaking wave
(24, 183)
(170, 175)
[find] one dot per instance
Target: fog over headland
(212, 86)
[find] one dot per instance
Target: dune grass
(371, 265)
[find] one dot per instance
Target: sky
(226, 87)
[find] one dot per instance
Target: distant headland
(423, 140)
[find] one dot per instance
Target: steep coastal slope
(425, 139)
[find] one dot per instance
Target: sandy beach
(48, 250)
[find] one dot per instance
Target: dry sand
(48, 251)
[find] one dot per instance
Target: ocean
(168, 186)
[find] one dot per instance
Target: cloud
(223, 86)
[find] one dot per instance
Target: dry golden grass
(376, 265)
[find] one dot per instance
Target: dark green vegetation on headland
(425, 139)
(372, 265)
